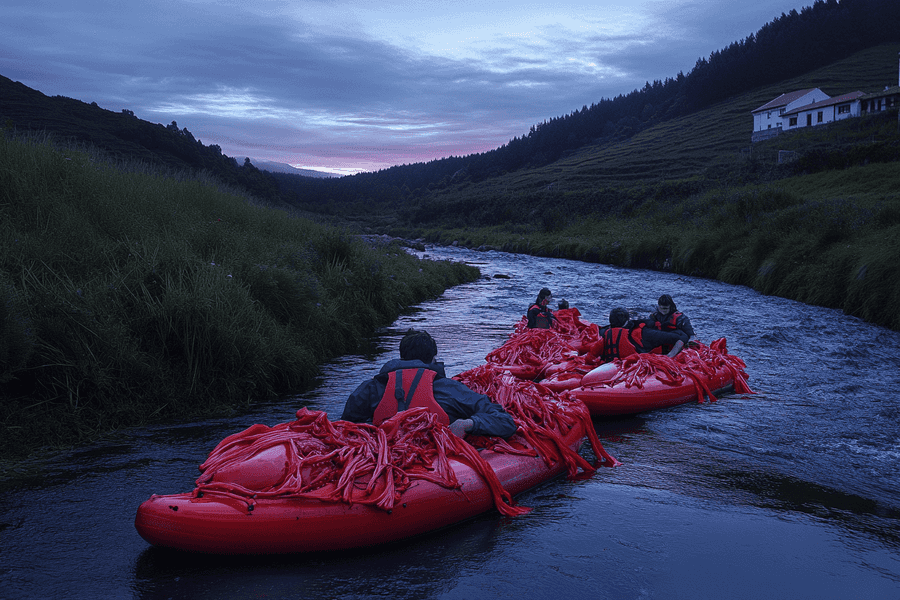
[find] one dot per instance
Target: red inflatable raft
(316, 485)
(556, 358)
(645, 382)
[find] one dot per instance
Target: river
(790, 493)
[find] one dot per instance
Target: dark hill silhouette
(123, 137)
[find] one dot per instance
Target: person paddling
(417, 379)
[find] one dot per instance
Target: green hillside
(142, 276)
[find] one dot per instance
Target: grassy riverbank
(129, 296)
(828, 239)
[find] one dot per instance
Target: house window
(792, 122)
(809, 120)
(819, 117)
(843, 109)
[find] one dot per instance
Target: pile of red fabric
(528, 352)
(350, 462)
(360, 463)
(543, 418)
(713, 357)
(697, 361)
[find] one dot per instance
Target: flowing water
(792, 492)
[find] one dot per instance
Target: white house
(824, 111)
(767, 119)
(808, 108)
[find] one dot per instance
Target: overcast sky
(353, 85)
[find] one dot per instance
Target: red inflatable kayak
(645, 382)
(316, 485)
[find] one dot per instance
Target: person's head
(665, 304)
(544, 297)
(418, 345)
(563, 304)
(618, 317)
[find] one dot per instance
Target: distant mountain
(277, 167)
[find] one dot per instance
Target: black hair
(543, 294)
(618, 317)
(418, 345)
(563, 304)
(666, 300)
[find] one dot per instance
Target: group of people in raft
(417, 379)
(665, 331)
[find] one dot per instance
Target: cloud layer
(348, 85)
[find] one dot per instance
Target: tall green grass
(129, 295)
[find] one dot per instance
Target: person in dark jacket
(396, 387)
(625, 337)
(540, 315)
(667, 318)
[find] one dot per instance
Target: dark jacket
(619, 342)
(457, 400)
(540, 317)
(674, 321)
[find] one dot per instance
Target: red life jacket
(409, 388)
(670, 323)
(619, 342)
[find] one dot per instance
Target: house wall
(768, 119)
(765, 134)
(808, 118)
(822, 115)
(886, 102)
(815, 95)
(771, 119)
(855, 110)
